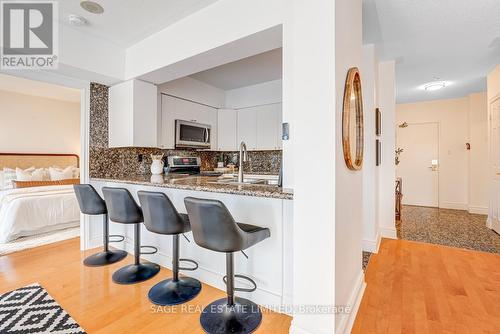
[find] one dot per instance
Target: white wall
(32, 124)
(194, 90)
(255, 95)
(387, 169)
(478, 155)
(309, 104)
(494, 83)
(462, 173)
(369, 77)
(348, 183)
(202, 33)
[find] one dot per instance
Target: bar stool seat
(160, 216)
(214, 228)
(92, 204)
(123, 209)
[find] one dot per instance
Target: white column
(369, 78)
(387, 169)
(309, 96)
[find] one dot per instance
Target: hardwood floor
(415, 287)
(101, 306)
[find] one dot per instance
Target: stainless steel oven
(191, 134)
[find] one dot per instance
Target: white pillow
(25, 174)
(76, 172)
(57, 174)
(9, 175)
(40, 174)
(1, 179)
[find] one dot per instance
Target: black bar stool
(123, 209)
(92, 204)
(214, 228)
(160, 216)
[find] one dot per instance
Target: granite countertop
(201, 183)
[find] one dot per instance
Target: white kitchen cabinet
(173, 108)
(260, 127)
(132, 114)
(247, 127)
(227, 130)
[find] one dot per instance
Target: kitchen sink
(247, 181)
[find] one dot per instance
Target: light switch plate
(286, 131)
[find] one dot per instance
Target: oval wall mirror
(352, 121)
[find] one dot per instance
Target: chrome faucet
(243, 157)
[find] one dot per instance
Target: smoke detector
(92, 7)
(76, 20)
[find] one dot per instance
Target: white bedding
(29, 211)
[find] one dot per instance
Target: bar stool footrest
(154, 251)
(120, 237)
(246, 278)
(188, 268)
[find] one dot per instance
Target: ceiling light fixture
(92, 7)
(76, 20)
(434, 85)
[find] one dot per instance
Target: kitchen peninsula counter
(269, 263)
(201, 183)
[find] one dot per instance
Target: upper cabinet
(227, 130)
(247, 127)
(133, 113)
(173, 108)
(260, 127)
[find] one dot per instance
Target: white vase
(157, 167)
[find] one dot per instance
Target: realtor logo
(29, 35)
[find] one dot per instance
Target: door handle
(206, 135)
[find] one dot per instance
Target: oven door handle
(206, 135)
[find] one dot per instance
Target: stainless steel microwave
(192, 134)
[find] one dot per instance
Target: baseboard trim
(480, 210)
(372, 246)
(489, 223)
(294, 329)
(454, 206)
(388, 232)
(346, 323)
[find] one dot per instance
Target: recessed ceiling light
(92, 7)
(434, 85)
(76, 20)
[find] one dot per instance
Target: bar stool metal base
(104, 258)
(241, 318)
(168, 292)
(135, 273)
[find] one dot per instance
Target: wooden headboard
(38, 160)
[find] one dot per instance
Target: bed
(40, 209)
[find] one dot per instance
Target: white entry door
(494, 214)
(419, 163)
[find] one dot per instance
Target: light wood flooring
(415, 287)
(101, 306)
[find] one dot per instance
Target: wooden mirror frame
(353, 82)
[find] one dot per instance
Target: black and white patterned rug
(31, 309)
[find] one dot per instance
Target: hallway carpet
(447, 227)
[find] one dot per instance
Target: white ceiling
(454, 40)
(249, 71)
(125, 22)
(37, 88)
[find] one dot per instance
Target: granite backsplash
(112, 162)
